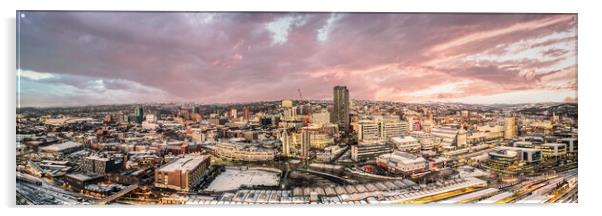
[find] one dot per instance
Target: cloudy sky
(81, 58)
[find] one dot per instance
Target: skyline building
(233, 113)
(305, 143)
(286, 143)
(510, 129)
(340, 114)
(139, 114)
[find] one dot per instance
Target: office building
(402, 162)
(320, 118)
(183, 173)
(286, 143)
(102, 166)
(195, 110)
(368, 131)
(571, 144)
(513, 160)
(233, 113)
(246, 114)
(554, 150)
(405, 143)
(340, 114)
(319, 137)
(139, 114)
(450, 137)
(78, 181)
(305, 143)
(510, 128)
(392, 129)
(362, 152)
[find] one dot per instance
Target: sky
(89, 58)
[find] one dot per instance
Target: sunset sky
(81, 58)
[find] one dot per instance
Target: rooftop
(403, 157)
(81, 177)
(404, 139)
(186, 163)
(61, 146)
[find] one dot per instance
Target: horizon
(70, 59)
(276, 101)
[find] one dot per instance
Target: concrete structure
(233, 113)
(450, 137)
(139, 114)
(183, 173)
(512, 160)
(405, 143)
(553, 150)
(402, 162)
(368, 131)
(320, 118)
(65, 148)
(340, 114)
(362, 152)
(287, 104)
(571, 144)
(78, 181)
(102, 166)
(306, 136)
(510, 129)
(285, 139)
(393, 129)
(523, 144)
(243, 151)
(318, 137)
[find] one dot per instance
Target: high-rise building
(139, 114)
(195, 110)
(340, 114)
(246, 114)
(286, 143)
(510, 128)
(305, 143)
(233, 113)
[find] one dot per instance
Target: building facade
(183, 173)
(340, 114)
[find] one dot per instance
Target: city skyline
(89, 58)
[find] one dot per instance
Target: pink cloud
(382, 56)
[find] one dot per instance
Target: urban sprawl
(297, 151)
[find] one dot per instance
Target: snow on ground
(232, 179)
